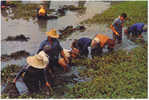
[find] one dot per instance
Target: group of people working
(50, 54)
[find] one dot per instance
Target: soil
(69, 29)
(17, 38)
(15, 55)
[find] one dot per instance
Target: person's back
(103, 39)
(84, 41)
(137, 26)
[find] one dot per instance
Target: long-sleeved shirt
(55, 48)
(84, 43)
(137, 28)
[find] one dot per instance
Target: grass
(116, 75)
(136, 11)
(8, 73)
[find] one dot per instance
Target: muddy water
(36, 29)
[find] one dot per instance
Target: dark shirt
(26, 68)
(137, 28)
(84, 43)
(55, 48)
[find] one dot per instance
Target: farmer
(56, 49)
(82, 45)
(35, 71)
(42, 11)
(117, 27)
(99, 42)
(136, 30)
(96, 44)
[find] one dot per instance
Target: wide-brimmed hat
(39, 61)
(52, 34)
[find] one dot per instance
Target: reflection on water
(42, 24)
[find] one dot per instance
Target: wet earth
(34, 32)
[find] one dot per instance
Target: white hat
(67, 52)
(39, 61)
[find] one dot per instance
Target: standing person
(56, 49)
(136, 30)
(35, 74)
(117, 26)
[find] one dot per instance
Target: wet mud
(69, 30)
(15, 56)
(21, 38)
(58, 86)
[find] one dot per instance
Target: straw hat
(39, 61)
(52, 34)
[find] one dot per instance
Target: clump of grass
(116, 75)
(136, 11)
(9, 72)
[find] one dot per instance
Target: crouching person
(136, 30)
(56, 50)
(70, 54)
(35, 74)
(99, 42)
(82, 45)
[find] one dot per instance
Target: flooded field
(33, 32)
(35, 29)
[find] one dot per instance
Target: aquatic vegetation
(8, 73)
(136, 11)
(119, 74)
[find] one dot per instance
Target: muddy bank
(15, 55)
(69, 30)
(17, 38)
